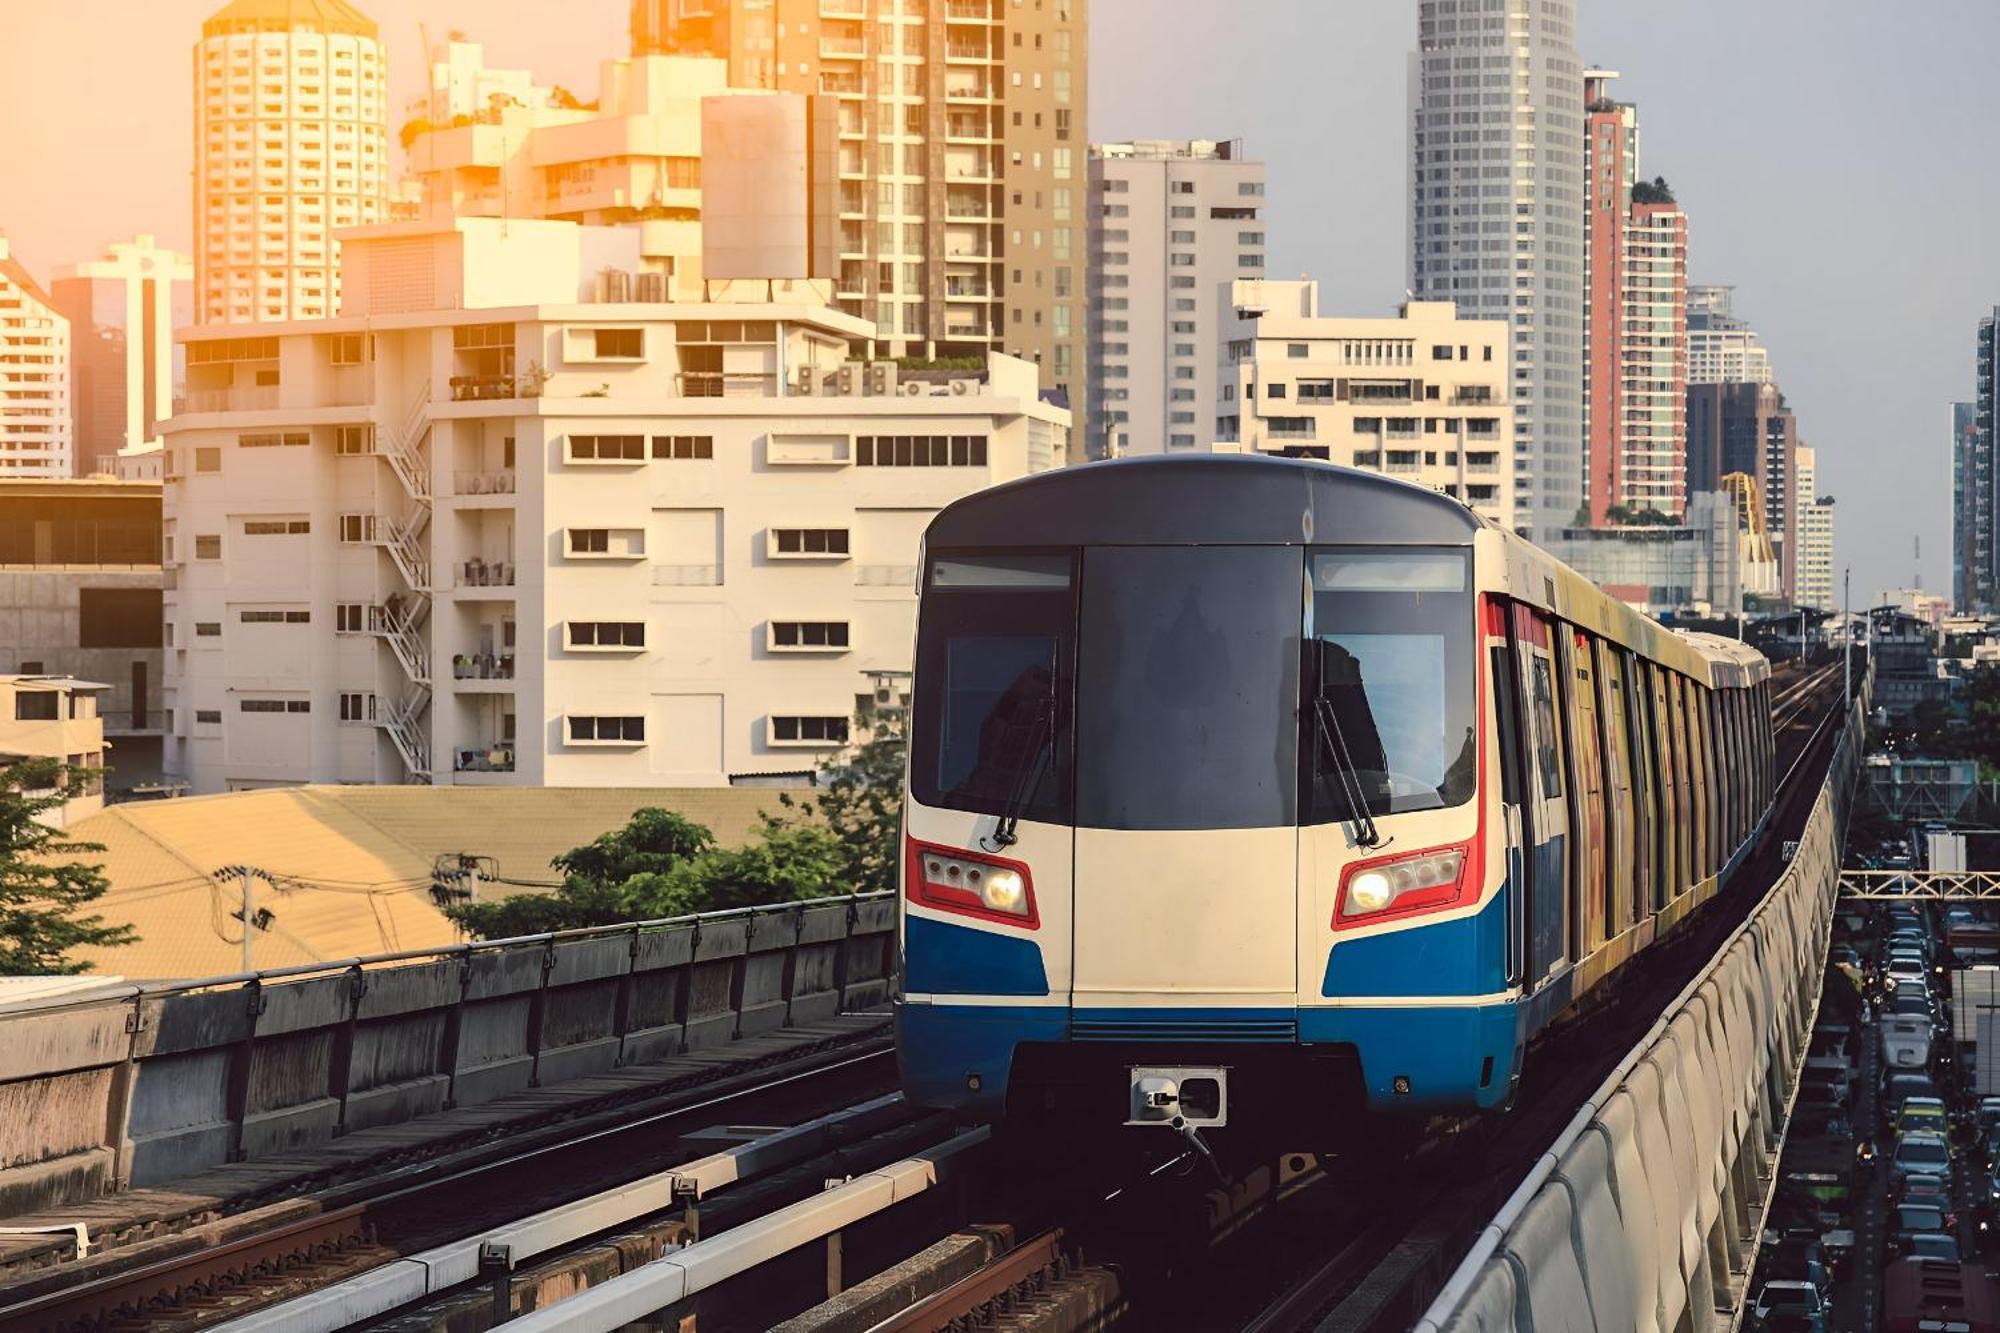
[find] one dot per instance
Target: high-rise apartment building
(1747, 429)
(1172, 225)
(1497, 188)
(488, 531)
(1422, 396)
(1971, 513)
(1982, 475)
(291, 144)
(1813, 577)
(1635, 336)
(1722, 347)
(35, 386)
(122, 311)
(962, 165)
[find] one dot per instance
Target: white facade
(55, 717)
(35, 380)
(550, 543)
(1813, 580)
(1722, 349)
(127, 305)
(1172, 225)
(291, 142)
(1497, 194)
(1422, 396)
(462, 84)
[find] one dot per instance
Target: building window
(275, 705)
(589, 541)
(607, 448)
(208, 547)
(354, 439)
(1292, 428)
(920, 451)
(1297, 351)
(211, 717)
(276, 527)
(616, 634)
(808, 730)
(350, 618)
(621, 344)
(357, 706)
(345, 349)
(275, 617)
(290, 439)
(683, 446)
(36, 705)
(208, 629)
(808, 636)
(615, 730)
(808, 542)
(357, 528)
(208, 459)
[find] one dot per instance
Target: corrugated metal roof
(360, 859)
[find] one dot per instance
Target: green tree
(860, 800)
(42, 883)
(652, 843)
(791, 860)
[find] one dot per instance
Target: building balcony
(483, 483)
(482, 666)
(494, 758)
(472, 388)
(259, 398)
(486, 574)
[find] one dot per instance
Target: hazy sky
(1834, 157)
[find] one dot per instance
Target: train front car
(1203, 822)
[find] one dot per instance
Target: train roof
(1205, 499)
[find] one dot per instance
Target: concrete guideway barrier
(1643, 1216)
(133, 1085)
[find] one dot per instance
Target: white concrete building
(463, 84)
(55, 717)
(1172, 224)
(123, 309)
(1496, 219)
(35, 383)
(1722, 348)
(488, 532)
(291, 142)
(1422, 396)
(1813, 580)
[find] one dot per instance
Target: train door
(1547, 805)
(1586, 797)
(1618, 858)
(1516, 805)
(1187, 779)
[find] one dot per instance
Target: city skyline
(1794, 271)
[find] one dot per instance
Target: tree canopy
(43, 880)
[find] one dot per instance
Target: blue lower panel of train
(1446, 1057)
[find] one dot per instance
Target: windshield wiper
(1329, 734)
(1041, 734)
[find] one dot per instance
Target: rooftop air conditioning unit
(849, 379)
(805, 380)
(652, 288)
(614, 285)
(914, 389)
(882, 377)
(964, 388)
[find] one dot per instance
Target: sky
(1834, 157)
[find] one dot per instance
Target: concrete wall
(138, 1085)
(1647, 1213)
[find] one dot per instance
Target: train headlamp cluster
(960, 882)
(1426, 880)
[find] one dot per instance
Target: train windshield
(1187, 663)
(993, 666)
(1394, 699)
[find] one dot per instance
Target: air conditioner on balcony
(882, 378)
(964, 388)
(914, 389)
(849, 380)
(805, 381)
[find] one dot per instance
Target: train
(1243, 789)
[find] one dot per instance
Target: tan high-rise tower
(291, 142)
(963, 159)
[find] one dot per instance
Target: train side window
(1618, 779)
(1542, 698)
(1674, 842)
(1645, 788)
(1506, 711)
(1684, 773)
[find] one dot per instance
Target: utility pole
(1847, 638)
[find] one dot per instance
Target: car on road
(1906, 1041)
(1918, 1219)
(1922, 1115)
(1902, 972)
(1922, 1154)
(1784, 1305)
(1932, 1245)
(1904, 1084)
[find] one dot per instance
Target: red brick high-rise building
(1635, 329)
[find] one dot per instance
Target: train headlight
(1003, 891)
(1371, 891)
(1405, 885)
